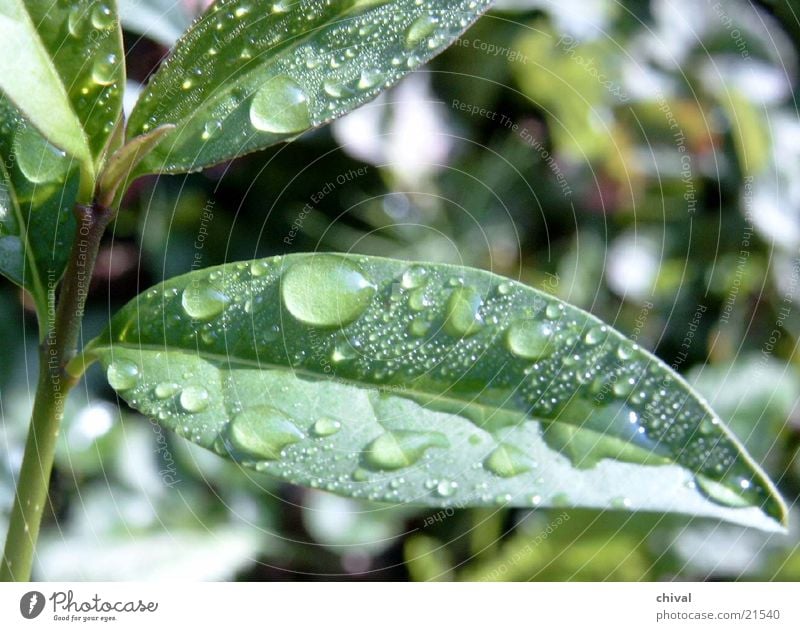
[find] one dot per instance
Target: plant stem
(59, 346)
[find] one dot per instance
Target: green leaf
(248, 75)
(38, 186)
(428, 384)
(61, 64)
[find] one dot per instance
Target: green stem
(59, 346)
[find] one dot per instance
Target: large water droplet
(38, 160)
(263, 432)
(122, 374)
(202, 301)
(414, 277)
(508, 461)
(194, 399)
(104, 69)
(326, 427)
(77, 24)
(102, 16)
(530, 339)
(326, 291)
(402, 448)
(462, 312)
(420, 29)
(280, 106)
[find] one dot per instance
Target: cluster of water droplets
(84, 39)
(261, 77)
(457, 341)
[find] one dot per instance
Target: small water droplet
(122, 374)
(530, 339)
(508, 461)
(194, 399)
(104, 69)
(263, 432)
(166, 389)
(402, 448)
(102, 17)
(420, 29)
(463, 312)
(202, 300)
(445, 488)
(326, 427)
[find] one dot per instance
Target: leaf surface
(250, 74)
(424, 383)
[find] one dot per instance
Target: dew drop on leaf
(420, 28)
(38, 160)
(263, 432)
(166, 389)
(102, 17)
(402, 448)
(104, 69)
(280, 106)
(122, 374)
(463, 318)
(530, 339)
(508, 461)
(325, 291)
(326, 427)
(194, 399)
(202, 301)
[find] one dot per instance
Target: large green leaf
(61, 64)
(250, 74)
(38, 186)
(430, 384)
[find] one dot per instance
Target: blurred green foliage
(638, 159)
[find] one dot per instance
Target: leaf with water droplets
(311, 367)
(249, 74)
(38, 186)
(61, 64)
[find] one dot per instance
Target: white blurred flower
(406, 132)
(633, 265)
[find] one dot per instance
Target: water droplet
(621, 503)
(402, 448)
(463, 317)
(420, 29)
(595, 335)
(166, 389)
(530, 339)
(38, 160)
(554, 310)
(102, 17)
(508, 461)
(104, 69)
(122, 374)
(280, 106)
(262, 431)
(259, 268)
(77, 24)
(419, 327)
(326, 427)
(202, 301)
(722, 493)
(194, 399)
(414, 277)
(324, 290)
(445, 488)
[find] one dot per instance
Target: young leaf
(38, 186)
(61, 64)
(424, 383)
(250, 74)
